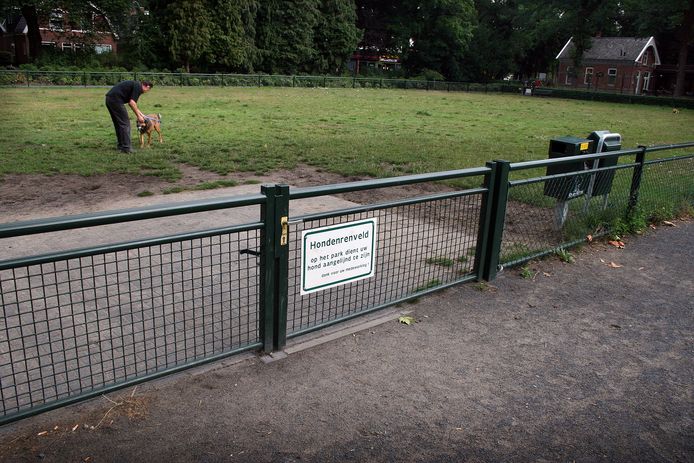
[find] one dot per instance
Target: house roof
(613, 49)
(17, 25)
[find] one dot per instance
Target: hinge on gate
(284, 239)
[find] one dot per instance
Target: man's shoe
(127, 151)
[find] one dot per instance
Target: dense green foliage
(474, 40)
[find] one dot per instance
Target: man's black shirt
(126, 91)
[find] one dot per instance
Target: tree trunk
(32, 18)
(685, 35)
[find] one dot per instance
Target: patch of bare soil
(25, 197)
(112, 415)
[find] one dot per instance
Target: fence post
(274, 267)
(485, 218)
(636, 181)
(497, 216)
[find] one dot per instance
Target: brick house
(612, 64)
(57, 31)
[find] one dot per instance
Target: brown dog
(152, 122)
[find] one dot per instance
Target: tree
(495, 43)
(284, 35)
(336, 35)
(377, 18)
(541, 32)
(434, 34)
(233, 29)
(673, 19)
(189, 30)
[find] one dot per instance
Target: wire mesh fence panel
(667, 188)
(552, 212)
(418, 247)
(76, 325)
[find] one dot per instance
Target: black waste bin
(568, 187)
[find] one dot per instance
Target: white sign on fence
(337, 254)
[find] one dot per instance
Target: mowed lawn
(348, 131)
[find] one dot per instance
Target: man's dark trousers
(121, 123)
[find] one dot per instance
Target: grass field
(352, 132)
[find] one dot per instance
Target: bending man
(126, 92)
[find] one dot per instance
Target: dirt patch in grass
(25, 197)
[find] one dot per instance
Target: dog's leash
(152, 119)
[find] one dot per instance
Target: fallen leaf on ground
(613, 265)
(547, 274)
(42, 433)
(653, 226)
(668, 223)
(617, 244)
(589, 238)
(74, 428)
(407, 320)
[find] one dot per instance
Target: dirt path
(584, 362)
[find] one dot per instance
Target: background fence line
(75, 324)
(108, 78)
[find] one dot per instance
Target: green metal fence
(104, 78)
(108, 78)
(78, 323)
(537, 214)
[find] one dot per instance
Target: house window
(48, 44)
(70, 46)
(646, 81)
(55, 22)
(100, 48)
(644, 58)
(611, 76)
(569, 76)
(588, 77)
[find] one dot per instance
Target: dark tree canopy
(476, 40)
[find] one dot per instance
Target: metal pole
(636, 182)
(484, 222)
(274, 258)
(497, 211)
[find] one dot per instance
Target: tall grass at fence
(362, 132)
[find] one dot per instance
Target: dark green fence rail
(78, 323)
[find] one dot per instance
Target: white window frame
(567, 79)
(612, 77)
(101, 48)
(646, 82)
(586, 74)
(56, 15)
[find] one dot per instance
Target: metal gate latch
(285, 231)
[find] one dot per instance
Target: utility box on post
(604, 141)
(569, 187)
